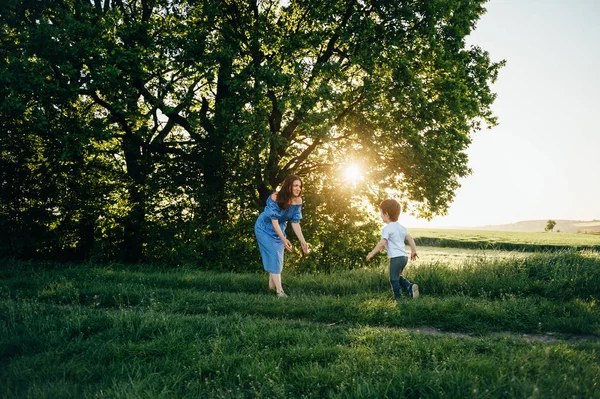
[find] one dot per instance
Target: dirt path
(544, 338)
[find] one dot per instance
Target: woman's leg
(277, 282)
(271, 283)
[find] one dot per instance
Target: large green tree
(212, 103)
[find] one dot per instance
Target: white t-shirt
(395, 234)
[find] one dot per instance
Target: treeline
(154, 130)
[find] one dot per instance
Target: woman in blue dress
(283, 205)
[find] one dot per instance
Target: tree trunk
(134, 223)
(215, 162)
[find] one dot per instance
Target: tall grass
(563, 276)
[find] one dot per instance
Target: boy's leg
(405, 283)
(396, 266)
(413, 289)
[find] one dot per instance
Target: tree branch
(322, 59)
(294, 162)
(116, 115)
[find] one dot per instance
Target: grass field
(462, 256)
(510, 241)
(485, 327)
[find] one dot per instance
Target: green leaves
(225, 98)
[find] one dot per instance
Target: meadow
(489, 324)
(510, 241)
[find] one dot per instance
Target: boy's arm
(377, 248)
(413, 247)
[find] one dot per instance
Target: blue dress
(270, 245)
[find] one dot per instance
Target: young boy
(392, 237)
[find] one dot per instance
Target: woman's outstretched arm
(298, 230)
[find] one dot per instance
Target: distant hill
(532, 226)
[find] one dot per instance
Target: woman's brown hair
(284, 196)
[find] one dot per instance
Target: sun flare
(353, 173)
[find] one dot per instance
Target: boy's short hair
(392, 208)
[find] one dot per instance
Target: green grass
(459, 256)
(508, 241)
(112, 331)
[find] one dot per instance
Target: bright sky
(543, 159)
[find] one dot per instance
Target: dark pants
(397, 264)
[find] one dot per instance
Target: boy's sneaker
(414, 291)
